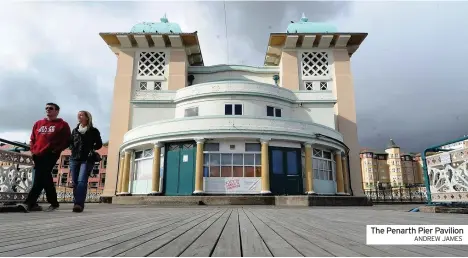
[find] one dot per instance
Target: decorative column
(309, 169)
(156, 169)
(265, 167)
(199, 167)
(120, 177)
(345, 175)
(339, 173)
(126, 172)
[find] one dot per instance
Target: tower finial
(164, 19)
(304, 18)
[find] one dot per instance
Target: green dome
(163, 27)
(304, 26)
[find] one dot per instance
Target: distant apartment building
(390, 168)
(61, 172)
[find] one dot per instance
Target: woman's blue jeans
(80, 171)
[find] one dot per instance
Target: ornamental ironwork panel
(448, 176)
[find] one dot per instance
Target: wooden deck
(112, 230)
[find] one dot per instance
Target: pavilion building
(180, 128)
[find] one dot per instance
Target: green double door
(285, 171)
(180, 168)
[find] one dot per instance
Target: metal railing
(446, 172)
(16, 175)
(65, 194)
(413, 194)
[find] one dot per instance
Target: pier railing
(410, 194)
(446, 172)
(16, 175)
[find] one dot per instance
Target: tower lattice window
(314, 64)
(152, 64)
(323, 85)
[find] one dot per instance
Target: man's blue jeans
(80, 171)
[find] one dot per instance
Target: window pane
(214, 171)
(238, 171)
(214, 159)
(253, 147)
(226, 159)
(317, 153)
(238, 159)
(270, 111)
(138, 154)
(226, 171)
(249, 172)
(292, 163)
(327, 155)
(238, 109)
(191, 112)
(249, 159)
(206, 159)
(206, 171)
(258, 159)
(228, 109)
(278, 112)
(315, 163)
(316, 174)
(277, 158)
(258, 171)
(211, 147)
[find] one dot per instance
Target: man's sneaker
(77, 208)
(23, 207)
(51, 208)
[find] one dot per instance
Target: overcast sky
(409, 74)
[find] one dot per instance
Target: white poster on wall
(232, 185)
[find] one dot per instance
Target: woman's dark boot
(77, 208)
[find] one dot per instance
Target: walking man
(49, 137)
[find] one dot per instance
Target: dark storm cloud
(410, 81)
(253, 22)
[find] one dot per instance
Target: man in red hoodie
(49, 137)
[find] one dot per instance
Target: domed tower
(394, 164)
(314, 59)
(152, 58)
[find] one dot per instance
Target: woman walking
(85, 140)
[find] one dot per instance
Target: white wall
(252, 106)
(143, 114)
(234, 75)
(320, 113)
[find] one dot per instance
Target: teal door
(180, 168)
(285, 171)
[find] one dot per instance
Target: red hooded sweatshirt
(50, 136)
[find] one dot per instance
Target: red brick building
(62, 175)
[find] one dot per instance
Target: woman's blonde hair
(89, 116)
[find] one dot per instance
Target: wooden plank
(120, 248)
(178, 245)
(394, 219)
(36, 248)
(304, 247)
(252, 244)
(204, 245)
(62, 230)
(158, 242)
(229, 242)
(349, 231)
(322, 239)
(335, 249)
(275, 243)
(100, 245)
